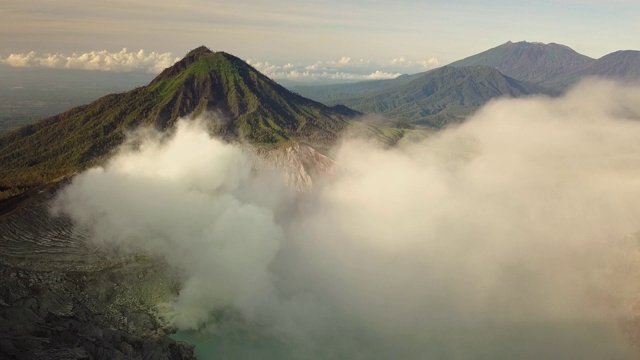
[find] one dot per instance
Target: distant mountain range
(534, 62)
(442, 96)
(553, 65)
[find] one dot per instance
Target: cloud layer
(487, 239)
(95, 60)
(343, 69)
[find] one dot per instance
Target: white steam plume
(103, 60)
(196, 205)
(464, 246)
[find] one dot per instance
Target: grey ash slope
(553, 66)
(443, 96)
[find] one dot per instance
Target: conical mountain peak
(192, 57)
(203, 61)
(199, 51)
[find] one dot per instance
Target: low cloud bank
(104, 60)
(513, 229)
(290, 71)
(344, 69)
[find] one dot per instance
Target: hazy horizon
(348, 40)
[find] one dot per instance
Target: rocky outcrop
(61, 299)
(54, 315)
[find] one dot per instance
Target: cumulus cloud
(513, 229)
(104, 60)
(401, 61)
(290, 71)
(345, 68)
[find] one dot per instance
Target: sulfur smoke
(508, 236)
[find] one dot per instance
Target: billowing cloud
(104, 60)
(515, 229)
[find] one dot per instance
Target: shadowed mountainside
(553, 66)
(443, 96)
(620, 65)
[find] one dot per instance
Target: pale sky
(382, 35)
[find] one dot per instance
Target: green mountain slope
(248, 105)
(538, 63)
(442, 96)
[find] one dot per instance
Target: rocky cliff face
(83, 315)
(301, 164)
